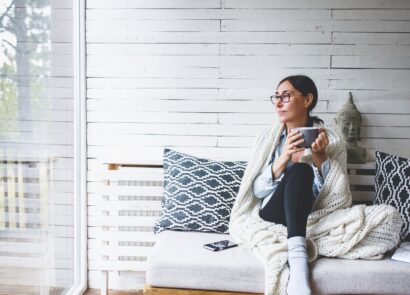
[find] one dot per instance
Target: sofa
(180, 265)
(179, 261)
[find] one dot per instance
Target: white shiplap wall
(196, 76)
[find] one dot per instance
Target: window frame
(80, 151)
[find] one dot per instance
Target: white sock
(299, 269)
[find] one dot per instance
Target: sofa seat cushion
(178, 260)
(359, 276)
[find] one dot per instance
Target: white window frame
(80, 151)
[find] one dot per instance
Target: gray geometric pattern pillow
(392, 185)
(198, 193)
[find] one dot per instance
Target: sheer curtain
(36, 147)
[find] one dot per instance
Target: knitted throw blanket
(334, 227)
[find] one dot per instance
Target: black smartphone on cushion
(220, 245)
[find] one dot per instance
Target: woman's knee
(301, 169)
(299, 180)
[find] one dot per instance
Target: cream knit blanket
(334, 228)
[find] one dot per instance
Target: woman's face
(297, 106)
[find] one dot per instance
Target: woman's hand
(319, 148)
(291, 151)
(321, 142)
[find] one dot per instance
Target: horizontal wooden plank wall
(195, 75)
(43, 132)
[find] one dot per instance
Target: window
(39, 150)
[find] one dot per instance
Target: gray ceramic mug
(309, 135)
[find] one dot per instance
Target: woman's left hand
(320, 144)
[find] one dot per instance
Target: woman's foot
(299, 270)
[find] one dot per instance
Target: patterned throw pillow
(198, 193)
(392, 185)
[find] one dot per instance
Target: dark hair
(305, 85)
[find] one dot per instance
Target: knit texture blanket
(335, 228)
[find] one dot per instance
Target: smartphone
(220, 245)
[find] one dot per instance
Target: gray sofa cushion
(198, 193)
(178, 260)
(359, 276)
(392, 186)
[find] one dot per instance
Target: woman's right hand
(293, 139)
(290, 151)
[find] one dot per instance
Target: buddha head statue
(349, 121)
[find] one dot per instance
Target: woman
(287, 187)
(333, 229)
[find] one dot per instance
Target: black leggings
(292, 201)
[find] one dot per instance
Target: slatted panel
(362, 182)
(25, 214)
(129, 204)
(25, 185)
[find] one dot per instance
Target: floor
(27, 290)
(23, 290)
(112, 292)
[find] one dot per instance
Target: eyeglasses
(285, 97)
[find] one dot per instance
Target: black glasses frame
(284, 98)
